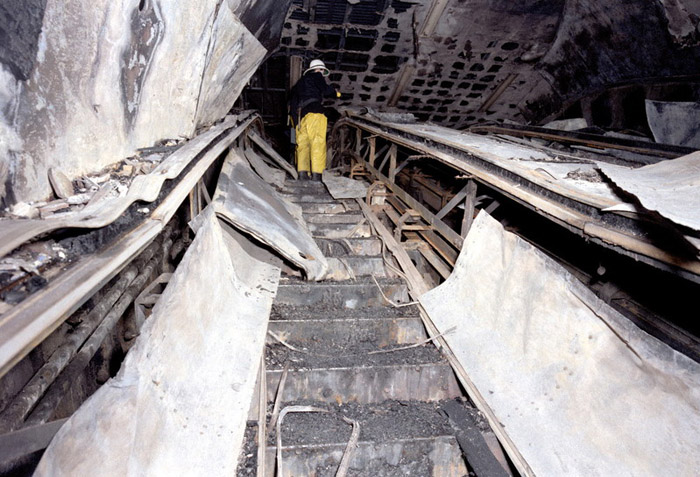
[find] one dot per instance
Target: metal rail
(666, 151)
(623, 234)
(30, 322)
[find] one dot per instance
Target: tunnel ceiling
(460, 62)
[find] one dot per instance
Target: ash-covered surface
(28, 269)
(52, 255)
(326, 356)
(338, 247)
(91, 241)
(81, 242)
(359, 281)
(348, 334)
(248, 459)
(390, 420)
(408, 422)
(587, 176)
(324, 311)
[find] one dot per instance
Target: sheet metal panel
(247, 202)
(671, 188)
(576, 387)
(180, 401)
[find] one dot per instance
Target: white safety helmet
(315, 64)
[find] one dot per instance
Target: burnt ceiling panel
(461, 62)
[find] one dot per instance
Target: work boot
(303, 176)
(316, 177)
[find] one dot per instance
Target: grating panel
(331, 12)
(367, 12)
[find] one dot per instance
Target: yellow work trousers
(311, 143)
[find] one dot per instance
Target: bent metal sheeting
(575, 386)
(192, 370)
(250, 204)
(671, 188)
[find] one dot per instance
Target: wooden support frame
(623, 242)
(392, 150)
(409, 221)
(392, 163)
(438, 225)
(454, 202)
(444, 249)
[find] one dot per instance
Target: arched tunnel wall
(85, 84)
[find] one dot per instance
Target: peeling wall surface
(97, 80)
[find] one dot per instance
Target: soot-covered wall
(85, 83)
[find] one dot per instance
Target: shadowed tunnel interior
(568, 129)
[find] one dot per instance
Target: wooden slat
(444, 249)
(435, 261)
(454, 202)
(469, 204)
(273, 154)
(21, 443)
(453, 237)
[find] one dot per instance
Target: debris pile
(26, 271)
(110, 182)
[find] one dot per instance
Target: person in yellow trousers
(307, 112)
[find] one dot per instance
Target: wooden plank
(498, 92)
(437, 8)
(18, 444)
(392, 164)
(453, 203)
(407, 71)
(273, 154)
(452, 237)
(444, 249)
(435, 261)
(472, 442)
(392, 150)
(469, 205)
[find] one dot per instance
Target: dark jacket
(307, 95)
